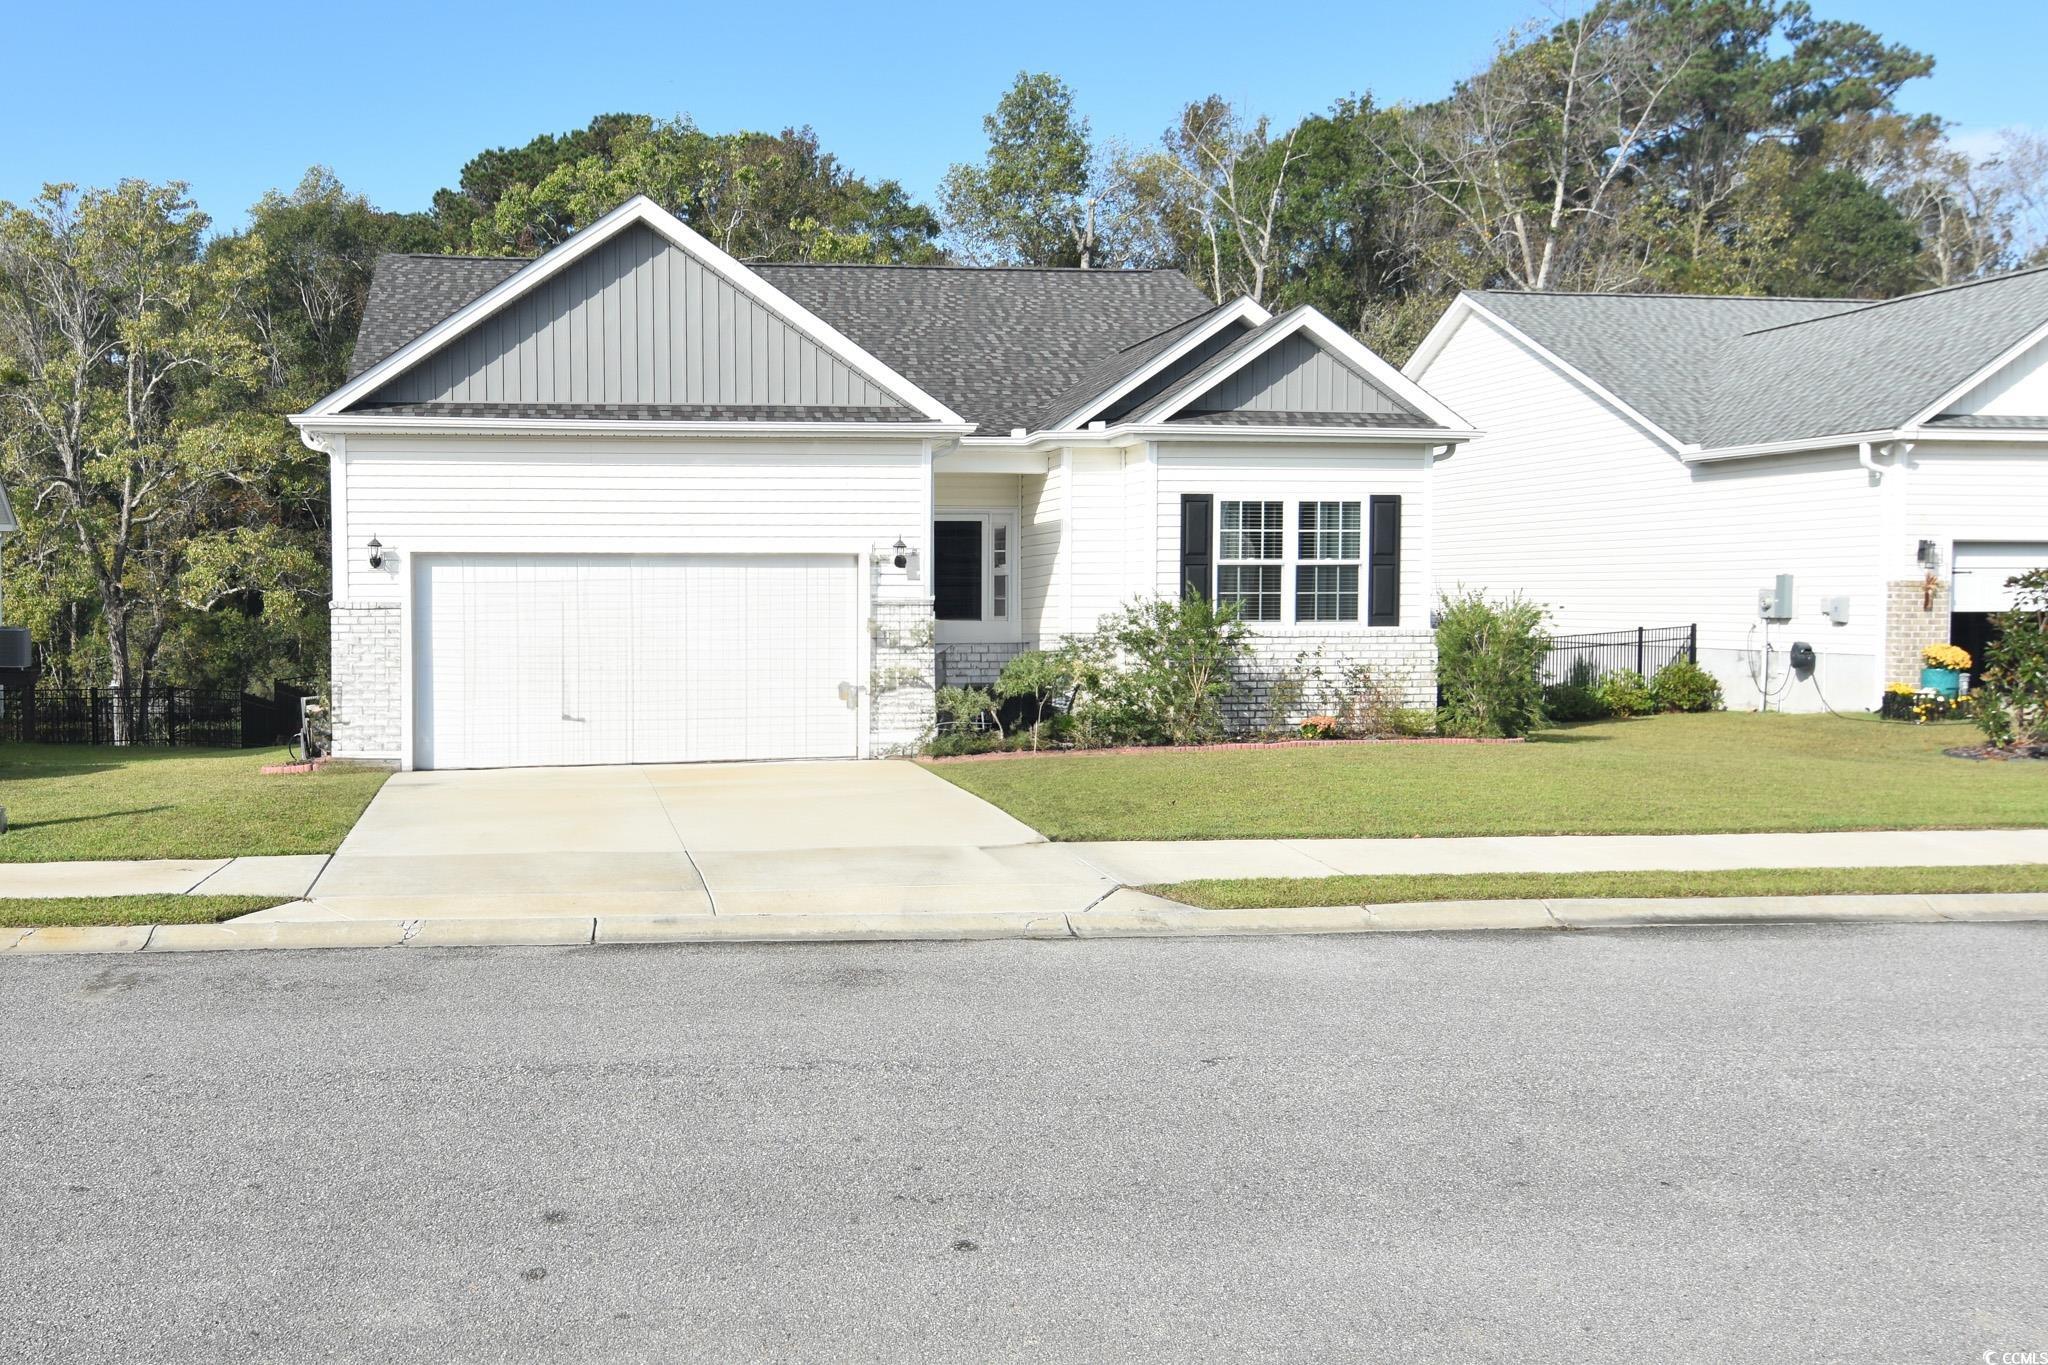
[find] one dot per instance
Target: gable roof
(1001, 345)
(1718, 372)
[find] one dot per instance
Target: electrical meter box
(1775, 602)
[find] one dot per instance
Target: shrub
(1902, 701)
(1413, 722)
(962, 742)
(1319, 727)
(1038, 678)
(1578, 696)
(1946, 656)
(2012, 691)
(1369, 706)
(968, 708)
(1157, 672)
(1488, 664)
(1683, 685)
(1624, 693)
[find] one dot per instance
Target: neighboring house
(17, 654)
(1658, 460)
(636, 501)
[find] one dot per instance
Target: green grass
(1720, 772)
(38, 912)
(71, 801)
(1263, 893)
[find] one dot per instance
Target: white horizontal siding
(620, 497)
(1966, 493)
(1096, 575)
(1570, 503)
(1039, 536)
(976, 492)
(1293, 474)
(2018, 388)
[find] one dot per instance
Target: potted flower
(1944, 669)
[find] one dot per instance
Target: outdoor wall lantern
(376, 553)
(902, 553)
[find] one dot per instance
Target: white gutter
(458, 426)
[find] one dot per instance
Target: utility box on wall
(1775, 603)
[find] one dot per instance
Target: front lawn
(1265, 893)
(1676, 774)
(68, 910)
(67, 802)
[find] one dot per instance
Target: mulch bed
(273, 769)
(1210, 748)
(1991, 753)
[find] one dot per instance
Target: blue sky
(239, 98)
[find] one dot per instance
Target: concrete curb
(1122, 914)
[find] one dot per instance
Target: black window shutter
(1383, 569)
(1197, 546)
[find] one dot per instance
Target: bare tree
(1533, 159)
(1221, 181)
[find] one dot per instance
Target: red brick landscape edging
(1210, 748)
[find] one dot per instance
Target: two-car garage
(598, 658)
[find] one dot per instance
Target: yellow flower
(1946, 656)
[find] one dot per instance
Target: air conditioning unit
(17, 651)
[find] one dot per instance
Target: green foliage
(1039, 678)
(2012, 693)
(1157, 672)
(1578, 696)
(1489, 658)
(1683, 685)
(760, 196)
(963, 709)
(1036, 198)
(1624, 693)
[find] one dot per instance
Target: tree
(1042, 196)
(120, 373)
(759, 196)
(1216, 188)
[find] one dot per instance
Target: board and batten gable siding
(1569, 502)
(1296, 375)
(624, 496)
(1294, 474)
(638, 321)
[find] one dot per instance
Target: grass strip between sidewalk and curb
(1262, 893)
(41, 912)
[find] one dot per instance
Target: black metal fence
(48, 713)
(1644, 649)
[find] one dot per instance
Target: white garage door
(1982, 567)
(521, 660)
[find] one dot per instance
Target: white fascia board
(1573, 372)
(2037, 436)
(1334, 339)
(1956, 394)
(1800, 446)
(962, 459)
(638, 209)
(349, 423)
(1439, 337)
(1242, 309)
(1404, 436)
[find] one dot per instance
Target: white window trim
(1290, 563)
(1280, 563)
(1356, 563)
(1008, 628)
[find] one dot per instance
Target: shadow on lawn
(1567, 735)
(14, 825)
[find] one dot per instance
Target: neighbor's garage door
(1982, 568)
(561, 659)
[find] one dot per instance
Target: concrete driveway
(689, 839)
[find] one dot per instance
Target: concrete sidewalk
(1123, 914)
(289, 875)
(1153, 862)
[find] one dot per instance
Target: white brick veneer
(1405, 659)
(365, 686)
(977, 664)
(901, 678)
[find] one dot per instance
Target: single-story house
(1661, 460)
(637, 501)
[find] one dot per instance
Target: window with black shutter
(1197, 548)
(1383, 565)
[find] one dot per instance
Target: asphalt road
(1659, 1145)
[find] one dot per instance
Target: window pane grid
(1326, 592)
(1331, 530)
(1253, 530)
(1254, 587)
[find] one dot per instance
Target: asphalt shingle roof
(1002, 347)
(1722, 371)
